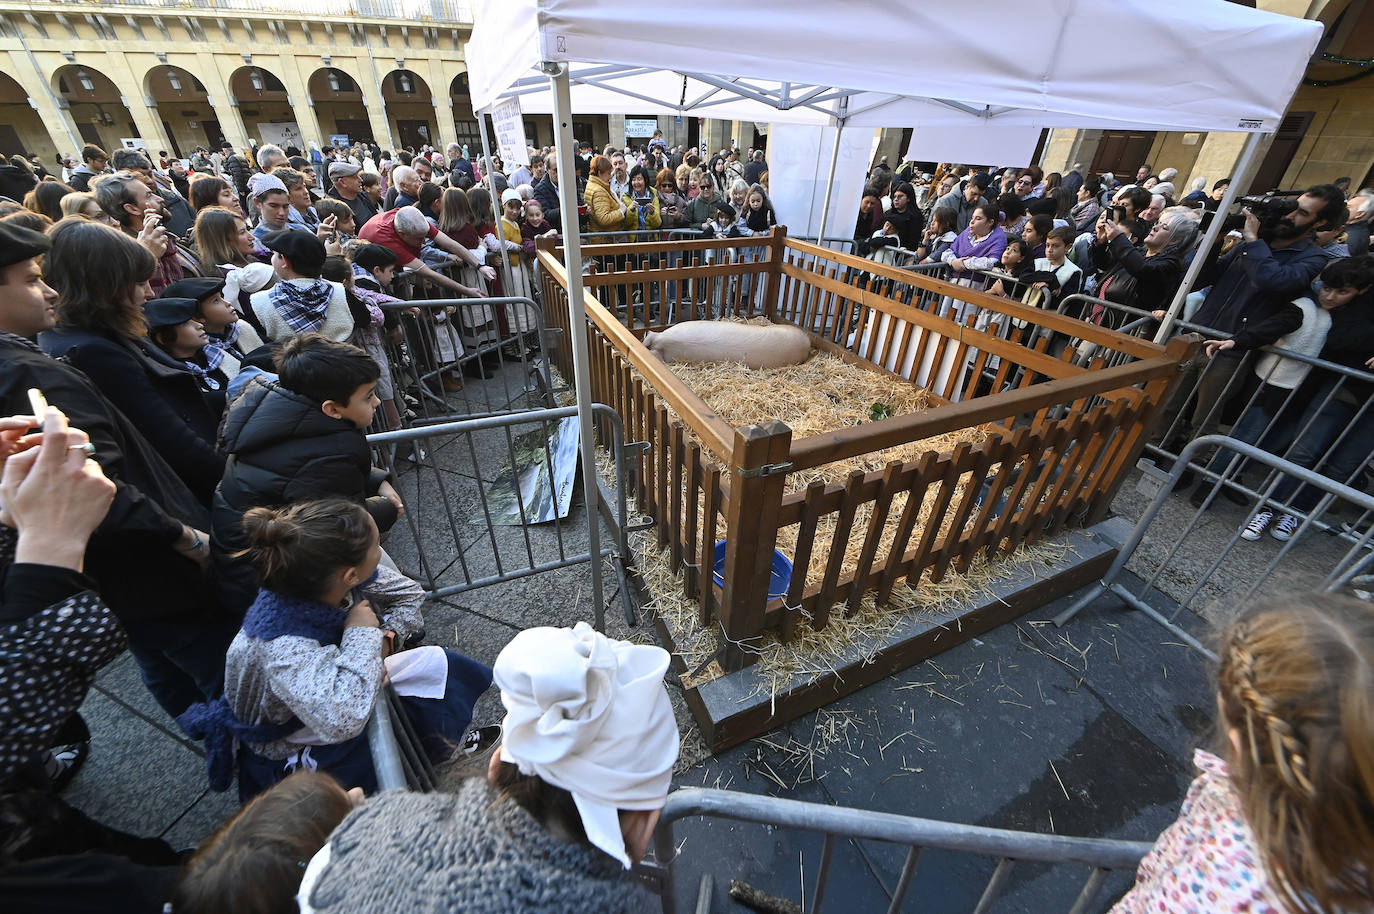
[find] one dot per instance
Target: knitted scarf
(302, 307)
(272, 615)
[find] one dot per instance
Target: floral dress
(1206, 862)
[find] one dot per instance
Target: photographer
(1250, 302)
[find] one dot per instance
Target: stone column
(52, 108)
(302, 105)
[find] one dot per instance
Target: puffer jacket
(282, 448)
(606, 214)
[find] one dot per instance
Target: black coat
(1132, 279)
(282, 449)
(142, 578)
(546, 192)
(239, 172)
(158, 393)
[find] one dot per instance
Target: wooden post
(777, 245)
(758, 473)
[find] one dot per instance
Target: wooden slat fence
(1059, 436)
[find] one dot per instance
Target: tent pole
(496, 205)
(834, 161)
(577, 318)
(1209, 240)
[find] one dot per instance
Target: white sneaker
(1258, 524)
(1283, 531)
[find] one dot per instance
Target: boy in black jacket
(300, 437)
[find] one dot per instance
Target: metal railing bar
(913, 859)
(996, 883)
(910, 830)
(473, 584)
(381, 742)
(823, 874)
(1092, 887)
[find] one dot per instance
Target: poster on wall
(640, 126)
(283, 135)
(510, 133)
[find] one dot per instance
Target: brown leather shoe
(452, 383)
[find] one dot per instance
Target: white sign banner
(980, 145)
(510, 133)
(283, 135)
(798, 166)
(640, 126)
(131, 142)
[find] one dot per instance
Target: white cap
(590, 715)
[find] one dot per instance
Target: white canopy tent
(1189, 65)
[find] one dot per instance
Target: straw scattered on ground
(821, 651)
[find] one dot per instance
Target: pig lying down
(755, 345)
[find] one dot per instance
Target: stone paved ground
(1086, 730)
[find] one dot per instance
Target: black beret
(197, 287)
(303, 249)
(19, 244)
(169, 312)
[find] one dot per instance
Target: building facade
(170, 75)
(174, 75)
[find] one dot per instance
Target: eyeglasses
(1024, 181)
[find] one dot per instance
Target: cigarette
(39, 404)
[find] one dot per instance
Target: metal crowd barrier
(1283, 425)
(466, 523)
(1008, 848)
(1232, 575)
(462, 341)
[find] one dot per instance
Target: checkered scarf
(302, 307)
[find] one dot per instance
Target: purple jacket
(981, 255)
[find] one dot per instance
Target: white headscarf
(590, 715)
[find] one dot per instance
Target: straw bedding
(823, 394)
(820, 395)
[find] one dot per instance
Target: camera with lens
(1268, 208)
(1271, 206)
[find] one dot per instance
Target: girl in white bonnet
(568, 803)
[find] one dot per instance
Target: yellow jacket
(653, 218)
(605, 214)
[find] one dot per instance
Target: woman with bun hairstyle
(305, 669)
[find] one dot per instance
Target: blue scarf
(272, 615)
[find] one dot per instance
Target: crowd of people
(1293, 272)
(192, 359)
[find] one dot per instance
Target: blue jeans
(1268, 423)
(1342, 461)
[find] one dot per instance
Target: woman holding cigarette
(149, 551)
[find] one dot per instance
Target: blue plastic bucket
(778, 578)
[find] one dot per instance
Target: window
(469, 135)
